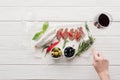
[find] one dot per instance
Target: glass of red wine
(103, 20)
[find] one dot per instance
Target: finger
(95, 56)
(93, 51)
(100, 55)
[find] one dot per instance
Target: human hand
(101, 65)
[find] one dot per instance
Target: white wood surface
(55, 13)
(17, 58)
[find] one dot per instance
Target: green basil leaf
(37, 35)
(45, 26)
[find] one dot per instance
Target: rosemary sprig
(86, 27)
(65, 41)
(85, 44)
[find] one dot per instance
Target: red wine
(103, 20)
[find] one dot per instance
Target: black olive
(69, 51)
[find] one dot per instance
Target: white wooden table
(18, 62)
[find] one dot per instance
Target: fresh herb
(44, 47)
(91, 39)
(65, 41)
(86, 27)
(85, 44)
(38, 34)
(45, 26)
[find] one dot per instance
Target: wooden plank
(47, 3)
(26, 28)
(56, 13)
(28, 57)
(53, 72)
(74, 3)
(46, 72)
(23, 43)
(110, 3)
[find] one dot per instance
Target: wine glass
(102, 20)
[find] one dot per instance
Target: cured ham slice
(71, 34)
(81, 32)
(65, 34)
(77, 35)
(58, 35)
